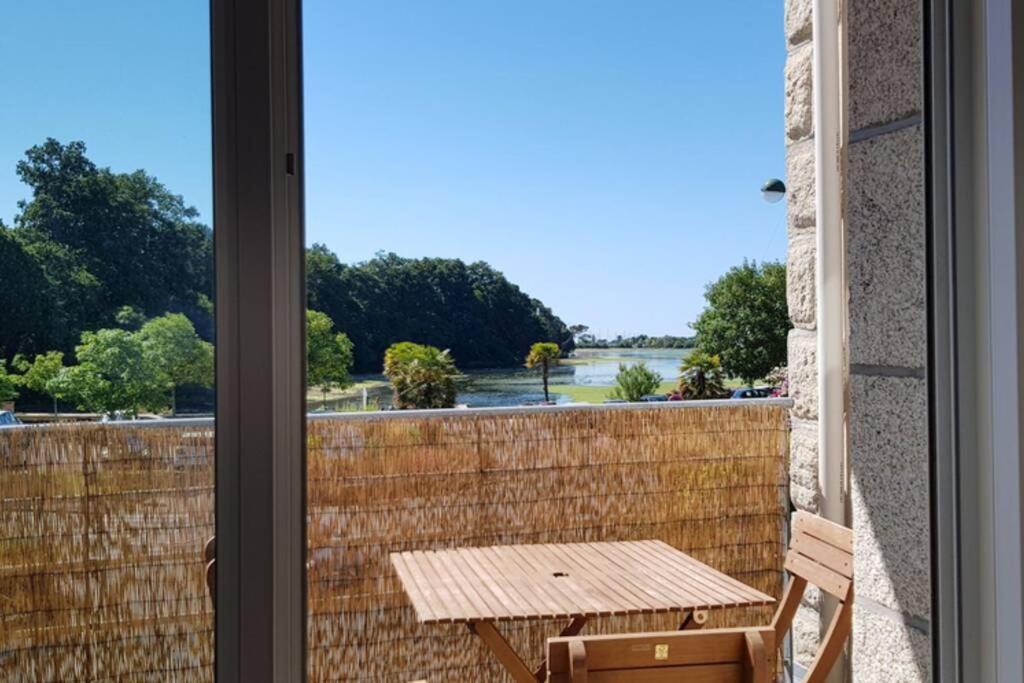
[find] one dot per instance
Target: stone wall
(888, 438)
(803, 378)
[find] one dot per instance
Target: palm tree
(544, 354)
(701, 376)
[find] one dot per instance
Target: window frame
(260, 627)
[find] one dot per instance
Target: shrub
(422, 376)
(634, 382)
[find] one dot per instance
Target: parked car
(8, 418)
(752, 392)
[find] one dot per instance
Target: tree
(544, 355)
(578, 331)
(41, 374)
(701, 376)
(176, 353)
(130, 317)
(26, 317)
(107, 240)
(422, 376)
(634, 382)
(746, 320)
(114, 373)
(328, 354)
(469, 308)
(8, 384)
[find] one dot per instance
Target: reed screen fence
(102, 527)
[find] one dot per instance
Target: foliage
(176, 353)
(130, 317)
(114, 373)
(8, 383)
(634, 382)
(544, 355)
(471, 309)
(41, 374)
(641, 341)
(422, 376)
(701, 376)
(104, 240)
(746, 320)
(328, 354)
(25, 318)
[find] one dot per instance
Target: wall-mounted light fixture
(773, 190)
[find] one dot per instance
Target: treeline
(470, 309)
(640, 341)
(89, 242)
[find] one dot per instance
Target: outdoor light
(773, 190)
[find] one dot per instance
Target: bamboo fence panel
(102, 526)
(711, 481)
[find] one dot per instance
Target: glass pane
(513, 212)
(106, 342)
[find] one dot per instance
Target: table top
(568, 580)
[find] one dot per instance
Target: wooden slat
(823, 553)
(698, 673)
(452, 590)
(683, 589)
(830, 532)
(481, 566)
(547, 581)
(610, 586)
(820, 575)
(620, 651)
(421, 596)
(657, 577)
(736, 593)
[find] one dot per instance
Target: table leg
(503, 651)
(573, 628)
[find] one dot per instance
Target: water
(522, 386)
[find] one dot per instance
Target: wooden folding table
(575, 581)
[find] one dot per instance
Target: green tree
(469, 308)
(8, 384)
(422, 376)
(328, 354)
(130, 317)
(701, 376)
(544, 355)
(108, 239)
(634, 382)
(41, 374)
(113, 373)
(177, 354)
(746, 320)
(26, 320)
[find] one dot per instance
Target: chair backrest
(820, 553)
(723, 656)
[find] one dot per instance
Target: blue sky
(606, 156)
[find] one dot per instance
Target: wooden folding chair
(820, 553)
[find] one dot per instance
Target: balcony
(102, 526)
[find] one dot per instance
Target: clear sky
(605, 155)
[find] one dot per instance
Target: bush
(422, 376)
(634, 382)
